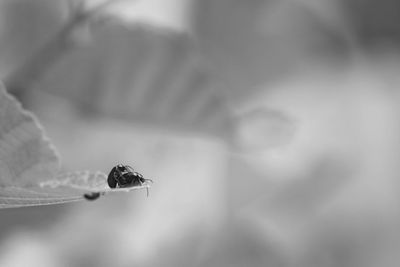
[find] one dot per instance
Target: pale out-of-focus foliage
(25, 27)
(166, 14)
(320, 189)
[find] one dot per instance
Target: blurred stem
(51, 52)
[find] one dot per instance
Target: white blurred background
(270, 128)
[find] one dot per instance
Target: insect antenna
(148, 180)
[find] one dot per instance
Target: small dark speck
(92, 196)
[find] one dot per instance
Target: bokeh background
(270, 128)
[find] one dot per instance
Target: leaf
(84, 182)
(143, 74)
(29, 164)
(259, 128)
(26, 155)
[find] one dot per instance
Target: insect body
(125, 176)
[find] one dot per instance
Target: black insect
(92, 196)
(124, 176)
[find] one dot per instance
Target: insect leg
(147, 188)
